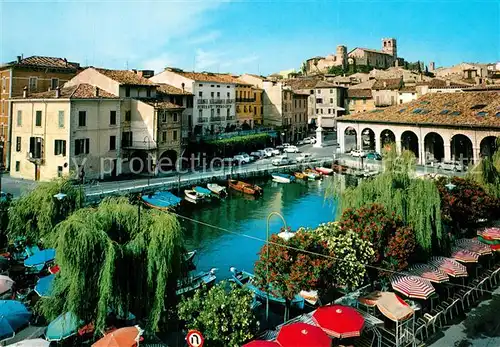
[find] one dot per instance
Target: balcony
(217, 101)
(35, 159)
(217, 118)
(202, 120)
(228, 118)
(245, 99)
(202, 101)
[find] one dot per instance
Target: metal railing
(217, 118)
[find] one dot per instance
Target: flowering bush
(467, 203)
(393, 243)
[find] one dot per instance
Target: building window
(126, 139)
(255, 109)
(200, 94)
(175, 117)
(227, 113)
(19, 118)
(212, 85)
(164, 136)
(54, 83)
(212, 94)
(218, 112)
(112, 143)
(331, 100)
(38, 118)
(128, 116)
(18, 166)
(112, 117)
(317, 111)
(218, 86)
(60, 147)
(312, 91)
(218, 95)
(60, 119)
(82, 146)
(82, 118)
(200, 113)
(18, 144)
(321, 111)
(35, 147)
(331, 91)
(228, 94)
(32, 83)
(4, 83)
(201, 85)
(244, 108)
(174, 135)
(237, 109)
(127, 91)
(318, 91)
(329, 111)
(212, 112)
(319, 101)
(163, 116)
(148, 93)
(59, 171)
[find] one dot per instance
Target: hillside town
(351, 201)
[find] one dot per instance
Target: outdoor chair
(453, 304)
(483, 285)
(419, 332)
(431, 320)
(494, 276)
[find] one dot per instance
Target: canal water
(301, 203)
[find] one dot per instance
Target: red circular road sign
(194, 338)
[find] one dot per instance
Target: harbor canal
(301, 203)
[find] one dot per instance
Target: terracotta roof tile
(46, 62)
(205, 76)
(325, 84)
(407, 89)
(302, 83)
(370, 50)
(364, 85)
(171, 90)
(438, 83)
(387, 84)
(472, 109)
(125, 77)
(79, 91)
(359, 93)
(161, 104)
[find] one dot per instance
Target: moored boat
(300, 175)
(246, 279)
(191, 284)
(216, 189)
(189, 256)
(324, 170)
(312, 174)
(162, 200)
(246, 188)
(339, 168)
(283, 178)
(202, 191)
(194, 197)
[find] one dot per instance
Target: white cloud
(211, 36)
(159, 63)
(205, 60)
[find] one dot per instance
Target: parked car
(358, 153)
(304, 157)
(239, 159)
(276, 151)
(374, 156)
(247, 158)
(257, 154)
(280, 147)
(305, 141)
(291, 149)
(285, 145)
(313, 139)
(281, 160)
(451, 165)
(229, 161)
(269, 152)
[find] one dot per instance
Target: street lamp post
(146, 138)
(267, 254)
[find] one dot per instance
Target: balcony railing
(230, 118)
(202, 120)
(214, 101)
(245, 99)
(217, 118)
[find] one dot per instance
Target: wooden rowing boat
(246, 188)
(301, 175)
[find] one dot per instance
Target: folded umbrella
(13, 315)
(31, 343)
(339, 321)
(302, 335)
(124, 337)
(5, 284)
(62, 327)
(40, 258)
(44, 285)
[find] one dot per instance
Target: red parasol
(339, 321)
(490, 234)
(464, 256)
(302, 335)
(429, 272)
(124, 337)
(474, 246)
(412, 286)
(262, 343)
(450, 266)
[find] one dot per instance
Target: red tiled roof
(302, 83)
(471, 109)
(387, 84)
(440, 84)
(359, 93)
(79, 91)
(45, 62)
(161, 104)
(205, 76)
(171, 90)
(125, 77)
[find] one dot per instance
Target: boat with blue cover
(247, 280)
(283, 178)
(197, 194)
(162, 200)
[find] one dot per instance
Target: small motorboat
(216, 189)
(247, 280)
(339, 168)
(300, 175)
(189, 256)
(283, 178)
(312, 174)
(246, 188)
(189, 285)
(324, 170)
(203, 191)
(195, 197)
(162, 200)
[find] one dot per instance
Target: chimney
(66, 61)
(19, 58)
(134, 71)
(385, 84)
(432, 66)
(58, 92)
(182, 85)
(448, 83)
(96, 92)
(25, 92)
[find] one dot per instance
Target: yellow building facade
(248, 105)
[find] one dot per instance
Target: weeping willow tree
(416, 200)
(487, 172)
(114, 259)
(34, 215)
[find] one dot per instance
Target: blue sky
(245, 36)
